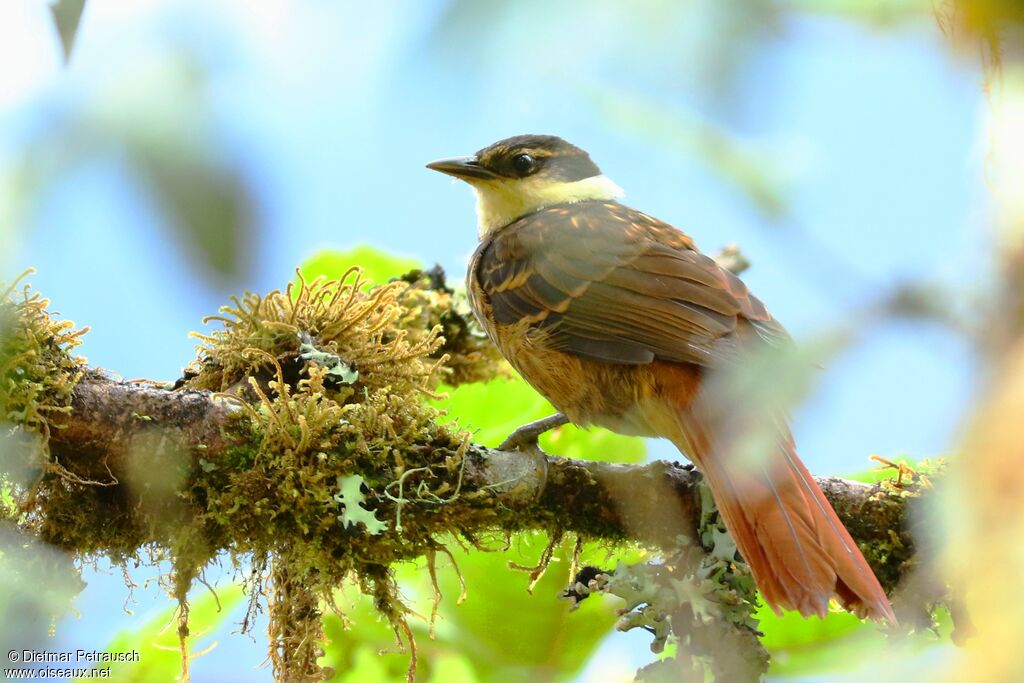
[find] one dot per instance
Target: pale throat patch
(499, 202)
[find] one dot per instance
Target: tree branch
(653, 504)
(323, 463)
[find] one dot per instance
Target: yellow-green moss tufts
(429, 303)
(342, 468)
(335, 465)
(37, 370)
(339, 324)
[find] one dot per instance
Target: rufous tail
(800, 553)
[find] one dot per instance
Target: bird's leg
(525, 438)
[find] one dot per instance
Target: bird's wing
(612, 284)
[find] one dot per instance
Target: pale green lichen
(351, 498)
(698, 597)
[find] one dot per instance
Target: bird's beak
(464, 168)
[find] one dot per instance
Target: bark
(653, 503)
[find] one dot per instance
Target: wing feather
(609, 283)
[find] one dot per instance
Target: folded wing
(612, 284)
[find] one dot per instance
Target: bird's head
(518, 175)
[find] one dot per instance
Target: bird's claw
(525, 437)
(524, 440)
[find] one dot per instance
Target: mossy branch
(299, 443)
(652, 504)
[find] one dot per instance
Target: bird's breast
(626, 399)
(631, 399)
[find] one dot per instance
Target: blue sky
(330, 110)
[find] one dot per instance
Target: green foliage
(510, 635)
(377, 266)
(494, 410)
(498, 633)
(501, 632)
(804, 646)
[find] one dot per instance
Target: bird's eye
(523, 164)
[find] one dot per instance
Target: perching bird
(619, 321)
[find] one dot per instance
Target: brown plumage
(619, 321)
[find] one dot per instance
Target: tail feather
(797, 548)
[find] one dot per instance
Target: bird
(621, 322)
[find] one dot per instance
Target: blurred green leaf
(493, 410)
(500, 633)
(830, 655)
(378, 266)
(207, 203)
(157, 640)
(154, 119)
(67, 14)
(452, 667)
(840, 643)
(510, 635)
(792, 631)
(161, 113)
(881, 472)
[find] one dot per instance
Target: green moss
(37, 370)
(430, 304)
(37, 376)
(330, 378)
(893, 557)
(336, 468)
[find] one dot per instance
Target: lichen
(700, 596)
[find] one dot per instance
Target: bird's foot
(525, 438)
